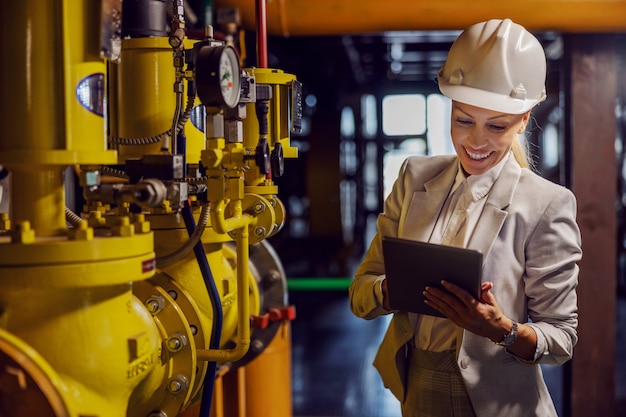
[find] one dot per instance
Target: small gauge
(218, 76)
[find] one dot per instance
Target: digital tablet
(410, 266)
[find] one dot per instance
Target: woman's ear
(525, 119)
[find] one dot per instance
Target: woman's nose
(477, 140)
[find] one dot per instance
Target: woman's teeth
(478, 156)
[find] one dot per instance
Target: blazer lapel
(426, 205)
(495, 213)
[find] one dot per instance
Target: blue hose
(216, 331)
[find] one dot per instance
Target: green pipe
(318, 284)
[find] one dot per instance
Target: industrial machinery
(160, 283)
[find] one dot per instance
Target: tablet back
(410, 266)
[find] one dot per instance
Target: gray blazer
(531, 243)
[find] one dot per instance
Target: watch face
(510, 338)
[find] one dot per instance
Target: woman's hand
(482, 317)
(386, 305)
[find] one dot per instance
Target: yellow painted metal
(42, 199)
(259, 389)
(79, 317)
(68, 300)
(59, 251)
(195, 332)
(177, 361)
(45, 56)
(85, 130)
(279, 129)
(44, 70)
(239, 227)
(90, 305)
(229, 255)
(278, 116)
(143, 97)
(186, 277)
(187, 274)
(31, 45)
(331, 17)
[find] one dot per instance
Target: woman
(483, 359)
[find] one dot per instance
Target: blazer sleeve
(551, 278)
(364, 300)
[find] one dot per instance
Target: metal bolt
(155, 304)
(177, 384)
(257, 346)
(272, 276)
(259, 207)
(176, 343)
(173, 294)
(259, 231)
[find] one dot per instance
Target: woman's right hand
(386, 305)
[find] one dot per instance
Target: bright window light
(404, 114)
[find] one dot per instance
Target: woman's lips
(477, 156)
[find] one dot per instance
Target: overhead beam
(338, 17)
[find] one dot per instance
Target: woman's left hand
(482, 317)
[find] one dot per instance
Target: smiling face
(482, 137)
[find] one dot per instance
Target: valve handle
(277, 160)
(262, 156)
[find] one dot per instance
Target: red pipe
(261, 33)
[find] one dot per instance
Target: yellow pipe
(243, 312)
(332, 17)
(47, 51)
(40, 200)
(224, 225)
(32, 50)
(66, 313)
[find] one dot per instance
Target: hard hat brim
(486, 99)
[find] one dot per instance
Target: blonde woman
(483, 358)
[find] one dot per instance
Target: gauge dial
(218, 76)
(227, 76)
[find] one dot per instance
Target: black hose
(216, 331)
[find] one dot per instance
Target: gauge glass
(228, 72)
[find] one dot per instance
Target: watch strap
(510, 337)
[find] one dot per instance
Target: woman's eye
(464, 122)
(497, 128)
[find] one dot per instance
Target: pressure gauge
(218, 76)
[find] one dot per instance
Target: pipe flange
(180, 359)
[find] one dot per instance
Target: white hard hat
(497, 65)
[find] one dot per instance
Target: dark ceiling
(357, 62)
(389, 60)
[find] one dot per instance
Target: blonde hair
(520, 153)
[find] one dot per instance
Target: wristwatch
(510, 337)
